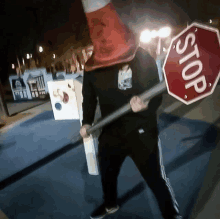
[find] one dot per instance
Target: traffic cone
(113, 41)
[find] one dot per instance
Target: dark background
(25, 24)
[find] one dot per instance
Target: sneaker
(101, 212)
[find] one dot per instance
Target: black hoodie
(113, 92)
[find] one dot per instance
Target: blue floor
(63, 188)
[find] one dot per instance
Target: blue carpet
(64, 189)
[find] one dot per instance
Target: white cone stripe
(165, 178)
(94, 5)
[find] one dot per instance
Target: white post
(90, 144)
(159, 46)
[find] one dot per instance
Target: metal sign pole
(156, 90)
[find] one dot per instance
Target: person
(134, 134)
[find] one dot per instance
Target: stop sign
(192, 64)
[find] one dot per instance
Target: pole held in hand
(147, 95)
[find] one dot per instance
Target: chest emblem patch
(125, 78)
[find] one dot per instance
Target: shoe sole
(111, 211)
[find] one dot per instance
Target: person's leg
(110, 158)
(147, 156)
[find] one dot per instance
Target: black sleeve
(155, 102)
(150, 78)
(89, 100)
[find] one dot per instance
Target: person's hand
(83, 132)
(137, 105)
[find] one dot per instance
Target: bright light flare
(13, 66)
(154, 34)
(210, 21)
(145, 36)
(164, 32)
(28, 56)
(41, 49)
(54, 56)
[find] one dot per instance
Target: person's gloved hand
(137, 105)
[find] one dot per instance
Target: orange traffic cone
(113, 42)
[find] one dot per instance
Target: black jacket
(104, 85)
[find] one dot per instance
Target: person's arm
(89, 100)
(138, 106)
(149, 79)
(155, 102)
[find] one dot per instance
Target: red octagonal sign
(192, 65)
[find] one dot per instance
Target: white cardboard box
(73, 110)
(62, 110)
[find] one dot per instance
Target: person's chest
(115, 83)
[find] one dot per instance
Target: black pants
(143, 147)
